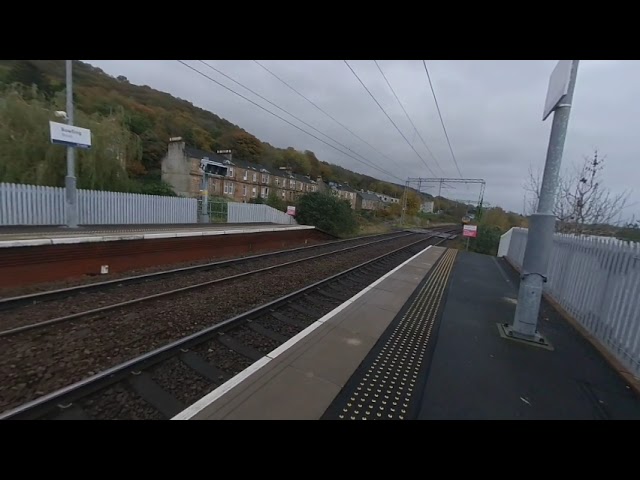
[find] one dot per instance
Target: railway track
(90, 285)
(39, 360)
(26, 312)
(160, 383)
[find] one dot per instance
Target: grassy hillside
(154, 116)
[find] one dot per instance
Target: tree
(326, 212)
(243, 145)
(28, 156)
(581, 200)
(274, 201)
(314, 164)
(26, 73)
(487, 241)
(414, 202)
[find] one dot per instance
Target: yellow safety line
(427, 301)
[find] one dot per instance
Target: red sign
(470, 231)
(291, 211)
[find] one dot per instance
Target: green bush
(327, 213)
(487, 241)
(157, 187)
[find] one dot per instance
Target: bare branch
(582, 202)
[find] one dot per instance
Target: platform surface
(466, 370)
(475, 374)
(34, 236)
(300, 379)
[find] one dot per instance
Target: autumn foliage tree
(244, 145)
(28, 156)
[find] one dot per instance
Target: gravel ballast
(37, 362)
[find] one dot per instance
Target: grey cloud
(492, 111)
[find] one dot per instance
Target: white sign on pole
(558, 86)
(70, 135)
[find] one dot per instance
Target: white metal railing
(257, 213)
(596, 280)
(37, 205)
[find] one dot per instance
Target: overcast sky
(492, 111)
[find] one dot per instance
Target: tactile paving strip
(385, 385)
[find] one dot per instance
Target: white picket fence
(36, 205)
(257, 213)
(596, 280)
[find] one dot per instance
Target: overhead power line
(369, 162)
(278, 116)
(327, 114)
(390, 119)
(408, 117)
(441, 120)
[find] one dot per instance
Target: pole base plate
(507, 332)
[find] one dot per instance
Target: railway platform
(36, 236)
(30, 255)
(424, 342)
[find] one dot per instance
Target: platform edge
(214, 395)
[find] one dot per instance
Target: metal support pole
(204, 212)
(542, 224)
(70, 180)
(404, 203)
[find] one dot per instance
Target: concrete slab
(476, 374)
(389, 295)
(366, 320)
(307, 397)
(336, 357)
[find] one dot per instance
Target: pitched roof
(369, 196)
(197, 153)
(341, 186)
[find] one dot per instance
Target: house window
(277, 182)
(244, 190)
(228, 188)
(265, 178)
(246, 176)
(283, 194)
(255, 177)
(265, 191)
(230, 172)
(292, 183)
(253, 192)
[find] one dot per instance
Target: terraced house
(345, 192)
(239, 181)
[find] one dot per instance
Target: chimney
(175, 148)
(225, 153)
